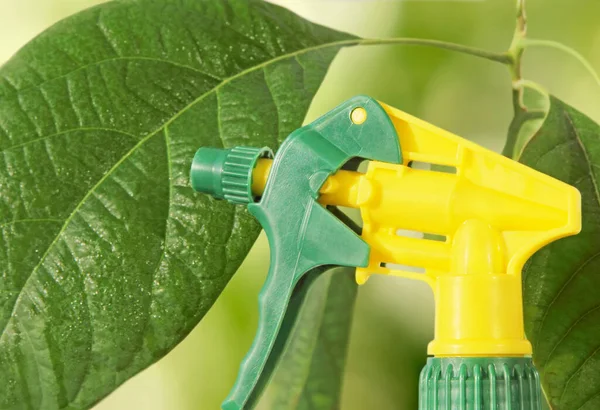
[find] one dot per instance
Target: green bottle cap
(479, 383)
(226, 173)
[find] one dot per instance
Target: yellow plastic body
(492, 212)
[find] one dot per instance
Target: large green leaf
(561, 281)
(108, 258)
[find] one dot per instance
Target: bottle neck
(479, 306)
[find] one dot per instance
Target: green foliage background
(468, 96)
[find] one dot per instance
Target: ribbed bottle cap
(226, 173)
(483, 383)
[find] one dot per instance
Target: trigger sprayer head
(226, 173)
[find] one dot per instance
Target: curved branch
(503, 58)
(559, 46)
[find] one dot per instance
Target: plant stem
(511, 58)
(516, 53)
(503, 58)
(521, 18)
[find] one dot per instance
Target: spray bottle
(492, 212)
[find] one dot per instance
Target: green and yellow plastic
(492, 213)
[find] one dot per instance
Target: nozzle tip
(207, 167)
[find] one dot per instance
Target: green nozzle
(226, 173)
(207, 167)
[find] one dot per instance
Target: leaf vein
(577, 370)
(30, 221)
(26, 114)
(588, 400)
(585, 154)
(565, 285)
(49, 104)
(589, 312)
(84, 129)
(276, 135)
(10, 84)
(105, 34)
(72, 103)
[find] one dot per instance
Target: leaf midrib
(224, 82)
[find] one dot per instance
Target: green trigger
(302, 234)
(297, 226)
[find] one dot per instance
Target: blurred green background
(468, 96)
